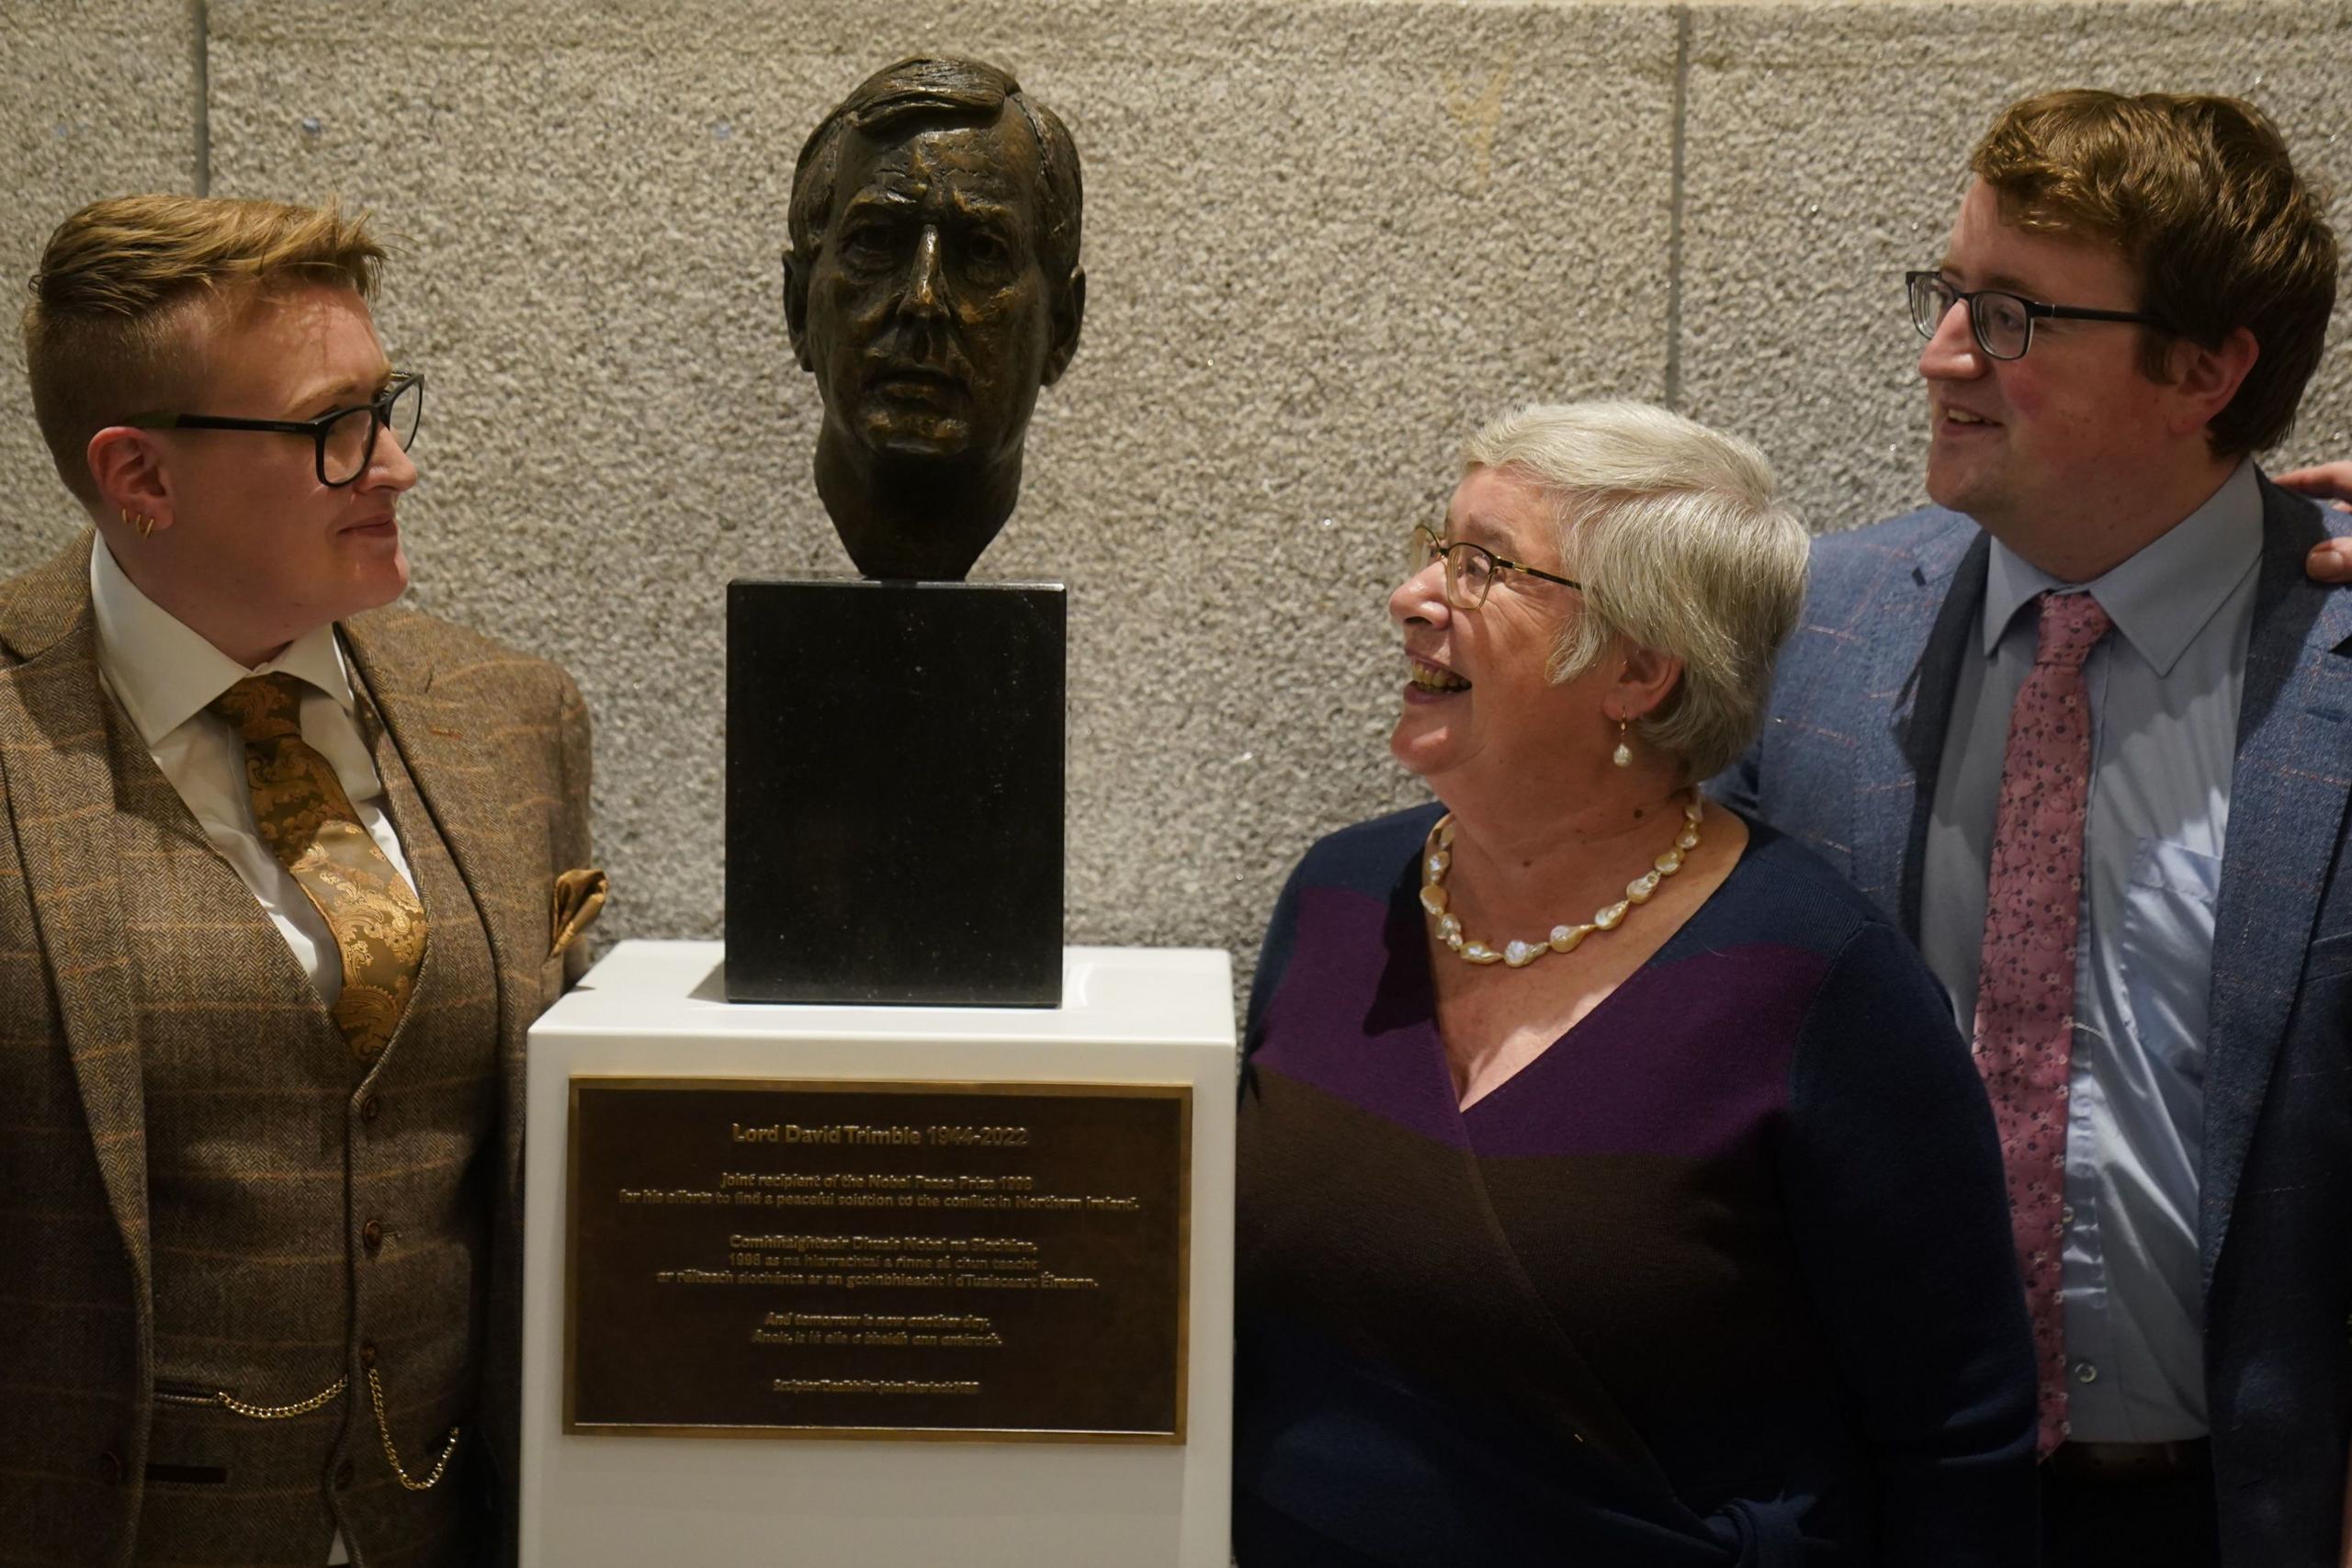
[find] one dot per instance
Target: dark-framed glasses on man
(2001, 322)
(345, 438)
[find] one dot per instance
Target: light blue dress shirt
(2164, 690)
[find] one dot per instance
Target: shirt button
(2085, 1372)
(371, 1236)
(370, 1108)
(2065, 1213)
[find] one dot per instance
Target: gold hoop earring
(1623, 755)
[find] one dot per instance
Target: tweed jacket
(1847, 764)
(497, 745)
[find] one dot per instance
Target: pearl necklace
(1439, 859)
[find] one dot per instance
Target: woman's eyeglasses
(1470, 570)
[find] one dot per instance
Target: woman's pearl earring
(1623, 755)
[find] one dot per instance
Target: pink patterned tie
(2025, 983)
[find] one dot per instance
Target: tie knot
(2072, 624)
(262, 709)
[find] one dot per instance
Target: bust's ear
(796, 305)
(1070, 313)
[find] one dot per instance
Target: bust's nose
(924, 287)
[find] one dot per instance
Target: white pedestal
(600, 1501)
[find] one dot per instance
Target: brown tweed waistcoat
(496, 745)
(303, 1204)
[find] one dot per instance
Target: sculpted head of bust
(932, 285)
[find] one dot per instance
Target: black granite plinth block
(894, 792)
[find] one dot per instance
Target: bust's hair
(1674, 533)
(123, 284)
(959, 90)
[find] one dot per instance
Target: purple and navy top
(1724, 1275)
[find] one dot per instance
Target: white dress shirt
(2164, 690)
(166, 675)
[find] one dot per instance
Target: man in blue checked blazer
(2134, 292)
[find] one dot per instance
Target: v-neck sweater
(1724, 1275)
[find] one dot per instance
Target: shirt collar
(164, 673)
(2160, 598)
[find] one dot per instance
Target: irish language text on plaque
(826, 1258)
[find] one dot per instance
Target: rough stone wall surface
(1324, 240)
(1318, 240)
(97, 98)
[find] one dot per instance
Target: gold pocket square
(579, 899)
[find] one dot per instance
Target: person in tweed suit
(2133, 296)
(285, 876)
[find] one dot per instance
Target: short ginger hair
(124, 284)
(2199, 195)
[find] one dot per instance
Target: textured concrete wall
(1324, 240)
(98, 97)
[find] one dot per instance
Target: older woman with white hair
(1613, 1186)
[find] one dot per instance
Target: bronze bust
(932, 285)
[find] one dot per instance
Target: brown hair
(107, 334)
(2199, 193)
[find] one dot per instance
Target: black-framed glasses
(2001, 322)
(345, 438)
(1470, 570)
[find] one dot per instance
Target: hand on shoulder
(2330, 484)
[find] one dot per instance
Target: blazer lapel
(2288, 794)
(60, 789)
(437, 740)
(1922, 621)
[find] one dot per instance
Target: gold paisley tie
(307, 823)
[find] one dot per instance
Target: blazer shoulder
(40, 606)
(1889, 580)
(2296, 618)
(414, 640)
(2291, 525)
(1928, 542)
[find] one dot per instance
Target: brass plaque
(754, 1257)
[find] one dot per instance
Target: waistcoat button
(371, 1236)
(370, 1108)
(110, 1468)
(343, 1474)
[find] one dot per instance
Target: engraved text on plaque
(825, 1259)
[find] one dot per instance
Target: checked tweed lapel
(61, 799)
(442, 736)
